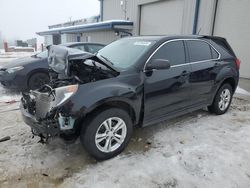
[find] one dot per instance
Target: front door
(167, 91)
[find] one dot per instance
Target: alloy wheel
(111, 134)
(225, 98)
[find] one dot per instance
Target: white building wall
(71, 37)
(188, 16)
(206, 17)
(104, 37)
(48, 40)
(64, 38)
(114, 10)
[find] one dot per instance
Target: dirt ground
(195, 150)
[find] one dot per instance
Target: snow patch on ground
(8, 96)
(11, 98)
(200, 151)
(242, 91)
(195, 150)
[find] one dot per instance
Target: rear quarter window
(215, 54)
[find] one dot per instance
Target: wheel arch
(228, 80)
(114, 104)
(104, 106)
(231, 81)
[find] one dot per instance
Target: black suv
(135, 81)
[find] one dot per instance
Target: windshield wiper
(106, 59)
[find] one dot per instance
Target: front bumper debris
(44, 128)
(45, 120)
(35, 109)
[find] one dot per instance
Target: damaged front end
(48, 110)
(42, 110)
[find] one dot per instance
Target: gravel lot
(195, 150)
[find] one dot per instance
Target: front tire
(222, 100)
(107, 134)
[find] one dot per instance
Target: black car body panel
(19, 80)
(33, 64)
(149, 96)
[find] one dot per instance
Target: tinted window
(93, 48)
(199, 51)
(173, 52)
(79, 47)
(215, 55)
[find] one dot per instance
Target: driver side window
(173, 51)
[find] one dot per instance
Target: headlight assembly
(64, 93)
(14, 69)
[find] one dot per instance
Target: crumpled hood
(59, 57)
(20, 62)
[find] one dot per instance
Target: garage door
(161, 18)
(233, 22)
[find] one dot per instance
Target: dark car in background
(136, 81)
(32, 72)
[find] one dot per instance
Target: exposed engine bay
(81, 72)
(72, 66)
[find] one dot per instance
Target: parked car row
(33, 72)
(135, 81)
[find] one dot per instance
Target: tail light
(237, 62)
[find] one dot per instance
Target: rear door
(205, 65)
(167, 91)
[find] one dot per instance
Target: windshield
(124, 53)
(43, 54)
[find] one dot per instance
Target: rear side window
(174, 52)
(199, 51)
(79, 47)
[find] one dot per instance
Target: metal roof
(106, 25)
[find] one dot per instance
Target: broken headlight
(64, 93)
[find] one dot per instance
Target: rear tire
(107, 133)
(222, 100)
(37, 80)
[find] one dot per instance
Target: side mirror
(158, 64)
